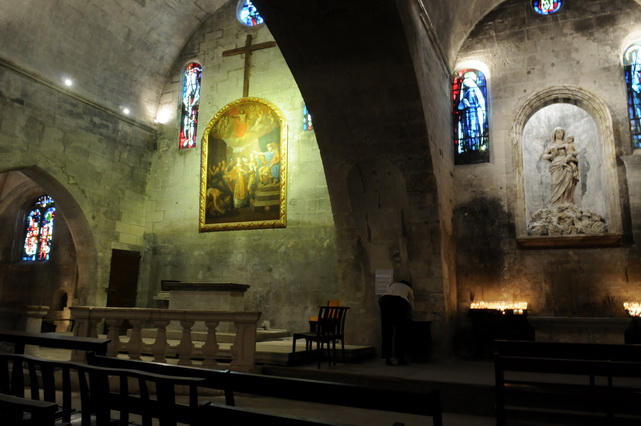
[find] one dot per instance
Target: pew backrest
(556, 378)
(585, 351)
(373, 397)
(53, 340)
(211, 414)
(14, 408)
(102, 392)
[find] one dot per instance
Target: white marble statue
(564, 167)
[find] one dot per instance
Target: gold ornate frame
(243, 172)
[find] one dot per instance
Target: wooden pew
(53, 340)
(372, 397)
(211, 414)
(574, 383)
(100, 393)
(594, 351)
(13, 408)
(105, 395)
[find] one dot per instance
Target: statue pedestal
(227, 297)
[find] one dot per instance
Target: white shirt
(402, 290)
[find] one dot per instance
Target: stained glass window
(190, 101)
(39, 230)
(546, 7)
(307, 119)
(470, 117)
(248, 15)
(632, 71)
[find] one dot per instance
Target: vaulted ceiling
(119, 52)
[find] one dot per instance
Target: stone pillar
(33, 324)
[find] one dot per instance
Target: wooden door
(123, 278)
(123, 281)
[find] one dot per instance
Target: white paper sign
(383, 279)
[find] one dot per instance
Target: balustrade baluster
(112, 334)
(210, 347)
(134, 346)
(186, 346)
(243, 350)
(159, 348)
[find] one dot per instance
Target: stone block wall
(579, 47)
(290, 270)
(93, 161)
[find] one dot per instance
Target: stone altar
(227, 297)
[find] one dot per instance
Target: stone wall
(290, 270)
(436, 262)
(93, 161)
(579, 47)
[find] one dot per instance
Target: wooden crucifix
(247, 50)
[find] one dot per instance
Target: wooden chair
(329, 328)
(313, 320)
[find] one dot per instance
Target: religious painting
(243, 177)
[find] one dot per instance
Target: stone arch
(378, 203)
(601, 115)
(82, 237)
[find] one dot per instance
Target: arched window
(39, 230)
(470, 117)
(247, 14)
(307, 119)
(632, 71)
(190, 101)
(546, 7)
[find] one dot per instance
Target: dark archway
(80, 251)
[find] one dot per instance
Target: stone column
(33, 324)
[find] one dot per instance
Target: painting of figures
(244, 168)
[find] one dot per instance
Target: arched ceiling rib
(119, 52)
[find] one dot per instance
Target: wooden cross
(247, 50)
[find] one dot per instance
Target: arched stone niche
(584, 116)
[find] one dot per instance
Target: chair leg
(319, 350)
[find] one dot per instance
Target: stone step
(272, 352)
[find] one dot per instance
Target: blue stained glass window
(546, 7)
(307, 119)
(470, 117)
(248, 15)
(632, 72)
(39, 230)
(190, 102)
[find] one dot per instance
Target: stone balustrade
(243, 349)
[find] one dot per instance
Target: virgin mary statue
(562, 156)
